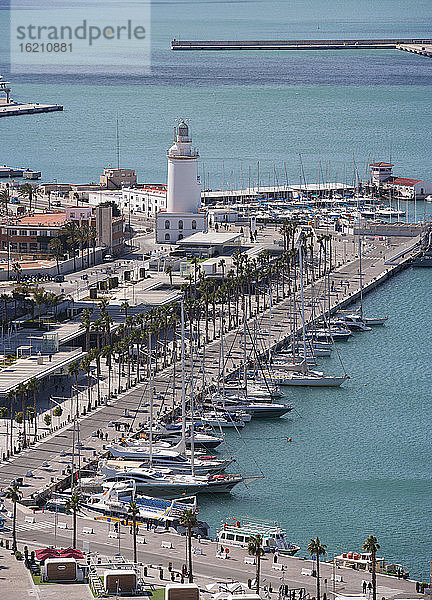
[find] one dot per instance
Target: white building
(183, 215)
(381, 175)
(147, 200)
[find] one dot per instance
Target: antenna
(117, 143)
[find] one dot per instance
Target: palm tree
(86, 366)
(315, 548)
(125, 306)
(74, 369)
(13, 493)
(107, 353)
(189, 520)
(371, 545)
(92, 237)
(85, 320)
(169, 272)
(133, 512)
(56, 247)
(5, 298)
(255, 549)
(74, 504)
(11, 397)
(4, 200)
(40, 297)
(33, 386)
(22, 391)
(82, 239)
(27, 190)
(70, 230)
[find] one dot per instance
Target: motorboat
(172, 434)
(163, 483)
(273, 538)
(353, 322)
(223, 419)
(332, 333)
(265, 410)
(171, 459)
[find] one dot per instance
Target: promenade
(48, 459)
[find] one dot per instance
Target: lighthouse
(183, 215)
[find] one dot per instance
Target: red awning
(44, 553)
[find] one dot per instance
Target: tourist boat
(363, 561)
(238, 532)
(171, 459)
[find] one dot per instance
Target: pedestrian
(370, 586)
(364, 587)
(106, 436)
(275, 557)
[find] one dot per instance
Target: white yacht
(238, 532)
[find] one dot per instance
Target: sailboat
(357, 315)
(300, 374)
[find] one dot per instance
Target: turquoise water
(359, 460)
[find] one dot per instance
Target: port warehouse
(293, 44)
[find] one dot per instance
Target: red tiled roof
(403, 181)
(44, 220)
(381, 164)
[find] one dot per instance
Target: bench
(249, 560)
(307, 572)
(337, 578)
(140, 539)
(167, 545)
(113, 534)
(62, 526)
(29, 520)
(87, 530)
(278, 567)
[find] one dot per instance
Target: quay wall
(294, 44)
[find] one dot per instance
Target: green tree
(40, 297)
(56, 247)
(33, 386)
(74, 369)
(74, 505)
(315, 548)
(371, 545)
(189, 520)
(169, 272)
(4, 200)
(14, 495)
(133, 512)
(70, 231)
(28, 191)
(255, 549)
(47, 420)
(22, 391)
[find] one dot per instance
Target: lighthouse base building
(183, 215)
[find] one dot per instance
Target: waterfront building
(183, 215)
(116, 179)
(147, 199)
(408, 187)
(30, 235)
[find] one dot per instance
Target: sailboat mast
(192, 429)
(151, 401)
(302, 300)
(361, 277)
(244, 345)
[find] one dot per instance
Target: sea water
(359, 460)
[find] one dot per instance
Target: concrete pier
(360, 44)
(12, 110)
(424, 49)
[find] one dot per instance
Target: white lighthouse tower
(183, 215)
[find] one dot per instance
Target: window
(194, 224)
(239, 538)
(167, 237)
(180, 237)
(23, 245)
(13, 232)
(23, 232)
(180, 225)
(33, 246)
(167, 224)
(14, 246)
(230, 536)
